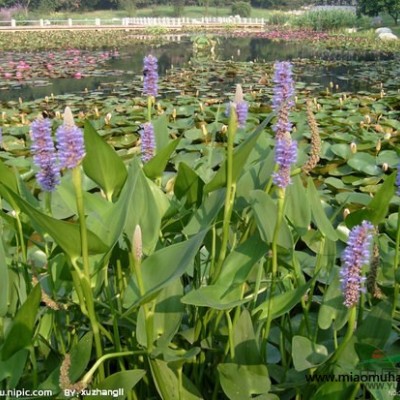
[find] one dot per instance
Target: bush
(323, 20)
(241, 8)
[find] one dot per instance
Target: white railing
(177, 23)
(188, 22)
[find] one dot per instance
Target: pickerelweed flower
(285, 156)
(148, 142)
(70, 142)
(240, 106)
(284, 85)
(283, 97)
(356, 254)
(44, 154)
(150, 76)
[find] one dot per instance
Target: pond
(75, 71)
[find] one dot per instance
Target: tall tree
(370, 7)
(374, 7)
(392, 7)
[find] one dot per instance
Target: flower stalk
(229, 195)
(137, 254)
(397, 249)
(274, 263)
(71, 151)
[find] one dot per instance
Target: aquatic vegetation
(39, 68)
(189, 253)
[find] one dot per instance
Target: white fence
(174, 23)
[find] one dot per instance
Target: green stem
(274, 269)
(317, 269)
(180, 384)
(21, 237)
(396, 264)
(34, 366)
(47, 202)
(147, 308)
(231, 344)
(76, 274)
(213, 247)
(85, 278)
(351, 325)
(77, 181)
(258, 282)
(229, 195)
(88, 376)
(91, 313)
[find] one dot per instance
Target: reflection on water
(178, 54)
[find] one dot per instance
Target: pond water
(349, 71)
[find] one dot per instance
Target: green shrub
(323, 20)
(241, 8)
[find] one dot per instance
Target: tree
(370, 7)
(392, 7)
(374, 7)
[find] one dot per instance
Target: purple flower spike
(148, 142)
(356, 254)
(242, 110)
(284, 86)
(240, 106)
(150, 72)
(71, 146)
(282, 100)
(398, 180)
(285, 156)
(44, 155)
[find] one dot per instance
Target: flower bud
(387, 136)
(204, 129)
(137, 246)
(107, 118)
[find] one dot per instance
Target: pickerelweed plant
(225, 265)
(150, 89)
